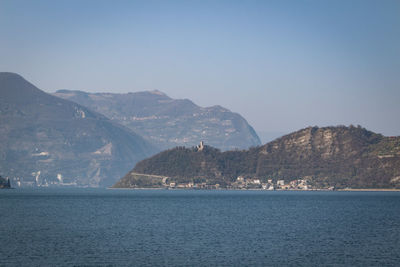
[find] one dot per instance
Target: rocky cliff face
(168, 122)
(338, 156)
(46, 140)
(330, 156)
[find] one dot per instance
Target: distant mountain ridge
(329, 156)
(168, 122)
(46, 140)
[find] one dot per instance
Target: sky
(283, 65)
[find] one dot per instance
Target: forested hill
(330, 156)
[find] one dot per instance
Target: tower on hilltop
(200, 147)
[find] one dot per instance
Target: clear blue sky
(283, 65)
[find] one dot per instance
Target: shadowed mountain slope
(47, 140)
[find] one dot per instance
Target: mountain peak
(10, 75)
(157, 92)
(11, 78)
(14, 88)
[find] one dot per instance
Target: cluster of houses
(191, 185)
(247, 183)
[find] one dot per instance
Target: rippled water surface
(186, 228)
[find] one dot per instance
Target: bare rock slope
(167, 122)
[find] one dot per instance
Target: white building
(280, 182)
(200, 147)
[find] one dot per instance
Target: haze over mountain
(329, 156)
(168, 122)
(283, 65)
(48, 140)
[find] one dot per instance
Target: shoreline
(370, 189)
(297, 190)
(135, 188)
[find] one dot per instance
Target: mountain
(47, 140)
(329, 156)
(168, 122)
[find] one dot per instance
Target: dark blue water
(201, 228)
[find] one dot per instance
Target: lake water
(40, 227)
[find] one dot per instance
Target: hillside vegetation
(330, 156)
